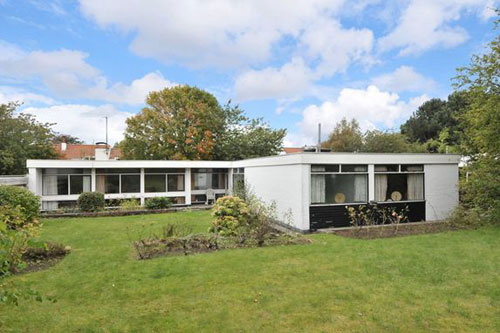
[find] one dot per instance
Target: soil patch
(404, 229)
(43, 257)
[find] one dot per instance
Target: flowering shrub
(231, 214)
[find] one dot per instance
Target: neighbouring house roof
(83, 151)
(291, 150)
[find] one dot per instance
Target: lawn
(436, 282)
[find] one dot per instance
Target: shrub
(91, 201)
(158, 203)
(130, 204)
(28, 203)
(231, 214)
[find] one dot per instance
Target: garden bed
(120, 212)
(393, 230)
(39, 258)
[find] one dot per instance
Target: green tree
(22, 138)
(59, 138)
(383, 142)
(244, 138)
(426, 123)
(188, 123)
(481, 80)
(345, 137)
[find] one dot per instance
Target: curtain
(50, 205)
(100, 183)
(381, 187)
(49, 186)
(359, 188)
(415, 183)
(86, 184)
(318, 188)
(180, 183)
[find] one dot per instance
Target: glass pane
(62, 185)
(339, 188)
(218, 181)
(175, 183)
(387, 168)
(49, 185)
(198, 198)
(117, 170)
(179, 200)
(65, 171)
(410, 168)
(354, 168)
(199, 181)
(155, 183)
(325, 168)
(112, 184)
(164, 170)
(238, 183)
(415, 184)
(79, 184)
(131, 183)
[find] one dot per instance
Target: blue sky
(294, 63)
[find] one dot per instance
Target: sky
(295, 63)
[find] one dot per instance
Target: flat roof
(295, 158)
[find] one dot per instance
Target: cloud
(67, 74)
(372, 108)
(404, 78)
(198, 33)
(83, 121)
(9, 94)
(425, 24)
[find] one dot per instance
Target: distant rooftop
(69, 151)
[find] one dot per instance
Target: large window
(238, 180)
(65, 181)
(396, 182)
(118, 180)
(163, 180)
(339, 184)
(204, 179)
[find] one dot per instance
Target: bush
(158, 203)
(130, 204)
(231, 214)
(91, 201)
(28, 204)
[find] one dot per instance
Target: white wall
(441, 190)
(285, 185)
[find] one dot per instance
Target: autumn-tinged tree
(22, 138)
(185, 122)
(346, 137)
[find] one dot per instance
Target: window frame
(340, 173)
(401, 172)
(85, 172)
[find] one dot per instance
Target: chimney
(64, 146)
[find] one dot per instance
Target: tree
(481, 80)
(22, 138)
(383, 142)
(59, 138)
(188, 123)
(179, 123)
(244, 138)
(426, 123)
(346, 137)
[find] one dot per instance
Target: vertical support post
(371, 182)
(187, 186)
(93, 180)
(230, 181)
(142, 187)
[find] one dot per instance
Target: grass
(436, 282)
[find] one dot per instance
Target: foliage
(231, 214)
(481, 121)
(22, 138)
(185, 122)
(463, 217)
(130, 204)
(384, 142)
(244, 138)
(346, 137)
(24, 204)
(60, 138)
(178, 123)
(373, 214)
(91, 201)
(158, 203)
